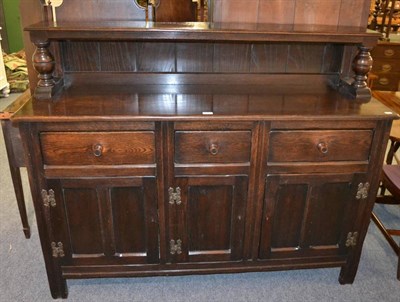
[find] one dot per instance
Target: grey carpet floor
(23, 277)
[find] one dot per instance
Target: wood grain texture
(118, 56)
(156, 57)
(212, 146)
(202, 57)
(68, 148)
(194, 57)
(301, 146)
(81, 56)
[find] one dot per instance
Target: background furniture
(385, 17)
(391, 182)
(187, 148)
(386, 66)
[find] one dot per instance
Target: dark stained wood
(212, 146)
(288, 146)
(97, 148)
(211, 218)
(202, 58)
(192, 57)
(203, 147)
(307, 215)
(137, 30)
(73, 60)
(238, 102)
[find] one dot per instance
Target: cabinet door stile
(161, 181)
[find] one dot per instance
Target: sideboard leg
(58, 287)
(19, 194)
(9, 133)
(348, 274)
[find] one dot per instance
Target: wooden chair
(390, 182)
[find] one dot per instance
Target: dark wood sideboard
(196, 148)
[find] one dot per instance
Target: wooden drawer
(98, 148)
(388, 51)
(212, 146)
(386, 65)
(387, 81)
(324, 145)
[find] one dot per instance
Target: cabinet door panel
(107, 220)
(289, 222)
(129, 216)
(326, 210)
(83, 218)
(209, 217)
(210, 220)
(307, 215)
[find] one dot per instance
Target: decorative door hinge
(175, 248)
(58, 249)
(351, 240)
(174, 197)
(48, 198)
(362, 192)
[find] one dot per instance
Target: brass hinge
(175, 248)
(58, 250)
(174, 197)
(48, 198)
(362, 192)
(351, 240)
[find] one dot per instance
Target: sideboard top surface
(198, 102)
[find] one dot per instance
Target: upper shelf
(201, 31)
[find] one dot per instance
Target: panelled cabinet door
(105, 221)
(310, 215)
(207, 218)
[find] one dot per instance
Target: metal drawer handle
(389, 52)
(97, 150)
(214, 149)
(383, 81)
(323, 148)
(386, 67)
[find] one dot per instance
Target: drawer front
(315, 146)
(98, 148)
(386, 66)
(212, 146)
(387, 81)
(389, 51)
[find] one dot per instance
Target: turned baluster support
(44, 64)
(362, 65)
(356, 87)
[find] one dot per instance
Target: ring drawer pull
(389, 52)
(323, 148)
(214, 149)
(97, 150)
